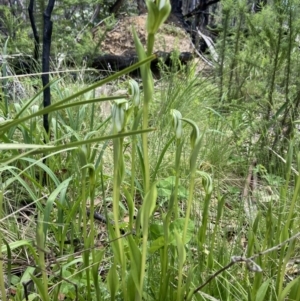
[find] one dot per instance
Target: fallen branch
(251, 265)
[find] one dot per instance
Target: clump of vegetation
(189, 190)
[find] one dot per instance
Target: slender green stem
(223, 49)
(179, 145)
(144, 256)
(86, 253)
(187, 218)
(150, 44)
(189, 204)
(179, 289)
(92, 230)
(148, 96)
(116, 191)
(145, 152)
(173, 206)
(118, 166)
(2, 285)
(40, 241)
(133, 154)
(133, 157)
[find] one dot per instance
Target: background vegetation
(188, 190)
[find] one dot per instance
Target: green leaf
(16, 244)
(9, 261)
(167, 183)
(27, 274)
(43, 166)
(136, 261)
(97, 258)
(113, 281)
(177, 227)
(180, 249)
(93, 140)
(141, 54)
(54, 106)
(131, 287)
(69, 264)
(293, 288)
(82, 156)
(20, 180)
(156, 230)
(148, 206)
(39, 284)
(157, 244)
(182, 192)
(130, 205)
(115, 245)
(163, 192)
(11, 146)
(261, 293)
(51, 200)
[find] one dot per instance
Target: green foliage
(258, 76)
(72, 29)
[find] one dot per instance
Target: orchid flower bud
(119, 114)
(195, 134)
(34, 108)
(158, 12)
(134, 92)
(177, 123)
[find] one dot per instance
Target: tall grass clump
(258, 75)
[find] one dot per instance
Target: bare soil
(119, 40)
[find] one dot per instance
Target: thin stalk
(164, 260)
(144, 256)
(148, 96)
(173, 206)
(145, 142)
(164, 281)
(86, 253)
(295, 197)
(275, 66)
(133, 155)
(2, 284)
(187, 218)
(223, 49)
(202, 231)
(116, 191)
(179, 145)
(118, 172)
(40, 239)
(150, 44)
(92, 230)
(92, 117)
(236, 50)
(5, 81)
(285, 121)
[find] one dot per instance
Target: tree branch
(116, 6)
(201, 8)
(46, 59)
(34, 30)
